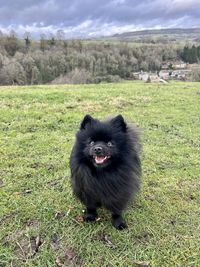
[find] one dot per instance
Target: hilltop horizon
(125, 34)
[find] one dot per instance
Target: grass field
(40, 220)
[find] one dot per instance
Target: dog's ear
(86, 120)
(119, 122)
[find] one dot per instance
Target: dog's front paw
(90, 217)
(119, 223)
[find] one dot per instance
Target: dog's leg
(90, 215)
(91, 209)
(118, 222)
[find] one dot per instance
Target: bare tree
(27, 38)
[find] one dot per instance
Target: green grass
(37, 129)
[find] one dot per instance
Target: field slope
(40, 221)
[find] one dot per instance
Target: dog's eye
(91, 143)
(109, 144)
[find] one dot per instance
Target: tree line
(55, 60)
(191, 54)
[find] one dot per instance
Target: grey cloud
(90, 16)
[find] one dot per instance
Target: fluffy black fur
(105, 166)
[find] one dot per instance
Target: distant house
(181, 74)
(154, 77)
(164, 74)
(194, 66)
(144, 76)
(165, 66)
(179, 65)
(174, 65)
(136, 75)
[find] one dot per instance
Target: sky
(93, 18)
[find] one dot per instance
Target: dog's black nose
(98, 149)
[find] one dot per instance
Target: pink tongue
(99, 160)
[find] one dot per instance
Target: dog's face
(100, 152)
(102, 142)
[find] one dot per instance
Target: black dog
(105, 166)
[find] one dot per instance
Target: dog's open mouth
(100, 159)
